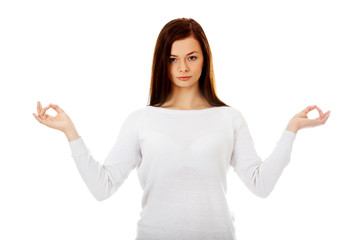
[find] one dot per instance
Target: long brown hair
(160, 85)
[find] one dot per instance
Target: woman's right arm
(101, 179)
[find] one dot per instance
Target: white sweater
(182, 158)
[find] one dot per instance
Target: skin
(61, 121)
(184, 95)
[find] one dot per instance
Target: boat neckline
(186, 110)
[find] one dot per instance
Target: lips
(184, 78)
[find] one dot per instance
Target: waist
(175, 233)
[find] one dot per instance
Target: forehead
(185, 46)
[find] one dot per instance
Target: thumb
(309, 108)
(56, 108)
(305, 111)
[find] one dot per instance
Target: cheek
(199, 67)
(170, 71)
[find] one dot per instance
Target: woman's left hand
(301, 120)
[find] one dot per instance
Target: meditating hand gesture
(61, 121)
(301, 120)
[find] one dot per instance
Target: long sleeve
(104, 179)
(259, 176)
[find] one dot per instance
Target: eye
(192, 57)
(172, 60)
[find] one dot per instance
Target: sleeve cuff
(288, 135)
(77, 146)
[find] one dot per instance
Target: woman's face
(186, 60)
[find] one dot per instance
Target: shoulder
(236, 117)
(134, 117)
(234, 112)
(138, 113)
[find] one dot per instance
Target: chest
(189, 140)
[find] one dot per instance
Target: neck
(186, 98)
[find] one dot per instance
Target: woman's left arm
(261, 176)
(301, 120)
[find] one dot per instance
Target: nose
(183, 67)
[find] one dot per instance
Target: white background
(93, 58)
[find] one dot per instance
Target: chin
(180, 83)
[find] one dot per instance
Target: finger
(320, 112)
(56, 108)
(316, 122)
(44, 110)
(324, 119)
(38, 107)
(325, 115)
(39, 119)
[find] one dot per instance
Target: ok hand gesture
(60, 122)
(301, 120)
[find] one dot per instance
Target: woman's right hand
(60, 122)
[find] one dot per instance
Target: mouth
(184, 78)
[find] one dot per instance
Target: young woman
(182, 145)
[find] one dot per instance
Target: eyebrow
(186, 54)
